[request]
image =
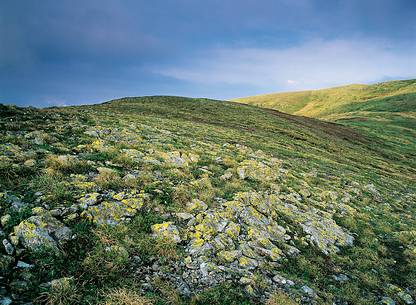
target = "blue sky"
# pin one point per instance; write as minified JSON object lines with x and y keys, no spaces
{"x":73,"y":52}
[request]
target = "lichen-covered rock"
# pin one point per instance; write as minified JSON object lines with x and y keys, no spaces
{"x":228,"y":256}
{"x":258,"y":171}
{"x":248,"y":263}
{"x":118,"y":208}
{"x":251,"y":234}
{"x":88,"y":200}
{"x":326,"y":234}
{"x":308,"y":291}
{"x":42,"y":231}
{"x":167,"y":230}
{"x":184,"y":216}
{"x":341,"y":278}
{"x":196,"y":205}
{"x":38,"y":137}
{"x":178,"y":159}
{"x":406,"y":298}
{"x":227,"y":175}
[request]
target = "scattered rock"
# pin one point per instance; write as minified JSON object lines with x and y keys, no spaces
{"x":282,"y":281}
{"x":405,"y":297}
{"x":30,"y":163}
{"x":184,"y":216}
{"x":119,"y":208}
{"x":341,"y":278}
{"x":23,"y":265}
{"x":308,"y":291}
{"x":42,"y":231}
{"x":227,"y":175}
{"x":196,"y":205}
{"x":167,"y":230}
{"x":5,"y":301}
{"x":8,"y":247}
{"x":326,"y":234}
{"x":387,"y":301}
{"x":245,"y":281}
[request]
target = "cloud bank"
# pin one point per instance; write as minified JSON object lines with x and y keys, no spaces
{"x":313,"y":64}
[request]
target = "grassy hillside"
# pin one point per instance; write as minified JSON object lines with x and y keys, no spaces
{"x":170,"y":200}
{"x":394,"y":96}
{"x":386,"y":110}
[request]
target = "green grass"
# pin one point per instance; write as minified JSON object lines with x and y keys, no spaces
{"x":390,"y":96}
{"x":319,"y":156}
{"x":386,"y":111}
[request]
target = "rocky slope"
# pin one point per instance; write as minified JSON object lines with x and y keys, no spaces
{"x":169,"y":200}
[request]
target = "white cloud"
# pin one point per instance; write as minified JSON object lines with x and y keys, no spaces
{"x":314,"y":64}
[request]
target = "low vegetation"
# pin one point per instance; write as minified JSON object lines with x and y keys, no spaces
{"x":170,"y":200}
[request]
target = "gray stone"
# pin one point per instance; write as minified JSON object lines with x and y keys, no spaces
{"x":184,"y":216}
{"x":341,"y":278}
{"x":309,"y":291}
{"x":326,"y":234}
{"x":42,"y":231}
{"x":5,"y":301}
{"x":23,"y":265}
{"x":166,"y":230}
{"x":183,"y":288}
{"x":245,"y":280}
{"x":387,"y":301}
{"x":279,"y":279}
{"x":8,"y":247}
{"x":405,"y":297}
{"x":203,"y":267}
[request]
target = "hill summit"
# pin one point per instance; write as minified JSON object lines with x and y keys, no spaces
{"x":172,"y":200}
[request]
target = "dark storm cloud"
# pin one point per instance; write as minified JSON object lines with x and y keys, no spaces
{"x":86,"y":51}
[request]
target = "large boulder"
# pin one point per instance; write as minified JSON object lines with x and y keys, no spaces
{"x":120,"y":207}
{"x":42,"y":231}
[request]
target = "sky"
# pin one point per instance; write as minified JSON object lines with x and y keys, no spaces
{"x":72,"y":52}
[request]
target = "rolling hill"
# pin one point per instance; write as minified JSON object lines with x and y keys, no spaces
{"x":394,"y":96}
{"x":386,"y":110}
{"x":172,"y":200}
